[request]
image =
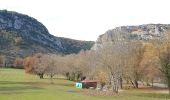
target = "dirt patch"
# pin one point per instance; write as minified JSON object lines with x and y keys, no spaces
{"x":146,"y":89}
{"x":98,"y":93}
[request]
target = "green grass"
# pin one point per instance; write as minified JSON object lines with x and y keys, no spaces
{"x":16,"y":85}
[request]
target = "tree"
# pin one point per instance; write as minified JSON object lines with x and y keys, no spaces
{"x":91,"y":64}
{"x":134,"y":69}
{"x":70,"y":69}
{"x":164,"y":56}
{"x":50,"y":61}
{"x":18,"y":63}
{"x":35,"y":65}
{"x":150,"y":64}
{"x":85,"y":64}
{"x":28,"y":64}
{"x":79,"y":66}
{"x":18,"y":40}
{"x":2,"y":61}
{"x":54,"y":65}
{"x":102,"y":78}
{"x":40,"y":66}
{"x":111,"y":58}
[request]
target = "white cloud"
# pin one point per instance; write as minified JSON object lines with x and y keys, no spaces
{"x":87,"y":19}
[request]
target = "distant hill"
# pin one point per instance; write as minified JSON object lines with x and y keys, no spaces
{"x":21,"y":36}
{"x":143,"y":33}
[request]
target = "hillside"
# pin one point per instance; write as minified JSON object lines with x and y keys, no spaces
{"x":21,"y":35}
{"x":143,"y":33}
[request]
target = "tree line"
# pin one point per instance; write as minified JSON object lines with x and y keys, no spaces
{"x":114,"y":65}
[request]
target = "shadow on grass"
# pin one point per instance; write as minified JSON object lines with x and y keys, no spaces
{"x":15,"y":88}
{"x":10,"y":82}
{"x":64,"y":84}
{"x":8,"y":87}
{"x":154,"y":95}
{"x":5,"y":85}
{"x":23,"y":83}
{"x":57,"y":78}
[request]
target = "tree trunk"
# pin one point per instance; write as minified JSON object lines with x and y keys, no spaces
{"x":102,"y":85}
{"x":132,"y":83}
{"x":168,"y":81}
{"x":121,"y":83}
{"x":115,"y":89}
{"x":73,"y":76}
{"x":152,"y":83}
{"x":51,"y":76}
{"x":115,"y":85}
{"x":41,"y":76}
{"x":136,"y":84}
{"x":67,"y":75}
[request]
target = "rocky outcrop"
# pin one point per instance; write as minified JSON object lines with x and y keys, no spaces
{"x":142,"y":32}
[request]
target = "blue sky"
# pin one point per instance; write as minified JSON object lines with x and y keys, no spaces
{"x":87,"y":19}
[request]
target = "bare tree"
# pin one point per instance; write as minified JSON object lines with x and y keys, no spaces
{"x":102,"y":77}
{"x":39,"y":66}
{"x":70,"y":67}
{"x":91,"y":65}
{"x":79,"y":66}
{"x":111,"y":57}
{"x":150,"y":64}
{"x":28,"y":64}
{"x":35,"y":65}
{"x":18,"y":63}
{"x":2,"y":61}
{"x":134,"y":69}
{"x":164,"y":56}
{"x":54,"y":65}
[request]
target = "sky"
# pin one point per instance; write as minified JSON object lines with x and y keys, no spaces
{"x":87,"y":19}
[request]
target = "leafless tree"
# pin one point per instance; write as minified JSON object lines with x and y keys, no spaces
{"x":111,"y":57}
{"x":18,"y":63}
{"x":39,"y":65}
{"x":2,"y":61}
{"x":134,"y":69}
{"x":164,"y":56}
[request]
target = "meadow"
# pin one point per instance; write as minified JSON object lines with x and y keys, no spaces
{"x":15,"y":84}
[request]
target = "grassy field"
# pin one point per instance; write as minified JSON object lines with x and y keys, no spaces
{"x":16,"y":85}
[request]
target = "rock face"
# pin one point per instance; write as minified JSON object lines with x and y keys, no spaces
{"x":142,"y":32}
{"x":21,"y":35}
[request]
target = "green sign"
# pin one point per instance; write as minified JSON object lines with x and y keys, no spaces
{"x":79,"y":85}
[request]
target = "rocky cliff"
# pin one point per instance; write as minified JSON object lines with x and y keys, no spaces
{"x":141,"y":32}
{"x":21,"y":35}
